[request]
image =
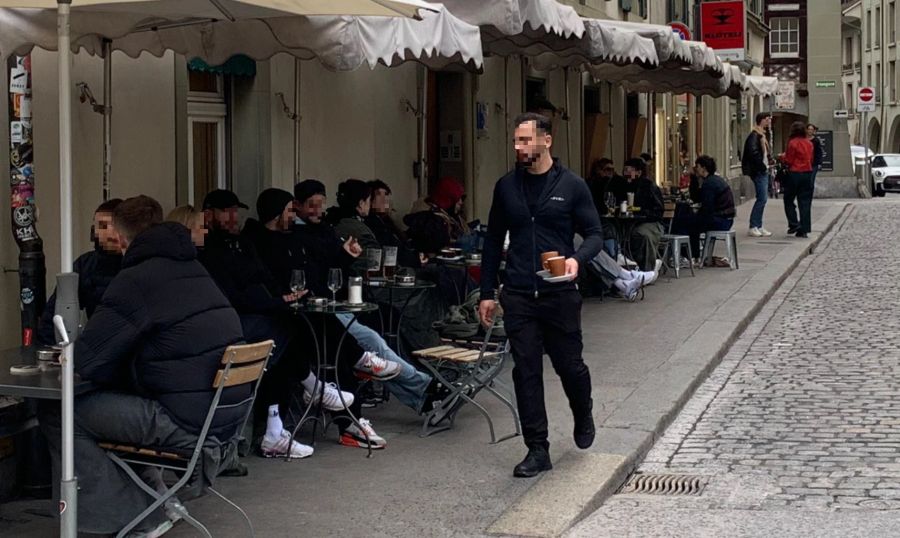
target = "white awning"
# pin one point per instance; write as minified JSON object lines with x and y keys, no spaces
{"x":339,"y":43}
{"x":519,"y":26}
{"x":730,"y":81}
{"x":760,"y":85}
{"x":601,"y":44}
{"x":670,"y":48}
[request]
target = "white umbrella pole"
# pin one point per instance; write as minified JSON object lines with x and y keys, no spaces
{"x":68,"y":520}
{"x":107,"y":118}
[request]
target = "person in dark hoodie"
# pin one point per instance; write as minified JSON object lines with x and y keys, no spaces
{"x":645,"y":237}
{"x":152,"y":347}
{"x":542,"y":205}
{"x":348,"y":218}
{"x":95,"y":269}
{"x":383,"y":226}
{"x":716,"y":201}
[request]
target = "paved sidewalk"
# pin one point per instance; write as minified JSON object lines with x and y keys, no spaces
{"x":646,"y":358}
{"x":797,"y":431}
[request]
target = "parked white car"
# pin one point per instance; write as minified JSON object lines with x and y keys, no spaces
{"x":886,"y":173}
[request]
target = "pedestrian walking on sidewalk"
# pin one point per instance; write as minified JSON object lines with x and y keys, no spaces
{"x":755,"y":162}
{"x":541,"y":204}
{"x":818,"y":151}
{"x":798,"y":156}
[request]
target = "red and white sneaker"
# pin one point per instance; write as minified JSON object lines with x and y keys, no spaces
{"x":353,"y":436}
{"x":371,"y":366}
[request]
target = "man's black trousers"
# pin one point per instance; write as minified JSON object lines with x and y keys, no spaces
{"x":550,"y":322}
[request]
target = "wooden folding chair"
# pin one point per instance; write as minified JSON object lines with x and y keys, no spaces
{"x":473,"y":368}
{"x":241,"y":365}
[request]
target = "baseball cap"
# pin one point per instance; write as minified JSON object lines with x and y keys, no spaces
{"x":222,"y":199}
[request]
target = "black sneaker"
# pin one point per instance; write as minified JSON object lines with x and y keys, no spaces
{"x":802,"y":235}
{"x":584,"y":431}
{"x":536,"y":462}
{"x":792,"y":230}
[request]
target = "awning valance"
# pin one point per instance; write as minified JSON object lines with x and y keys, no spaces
{"x":340,"y":43}
{"x":760,"y":85}
{"x":600,"y":44}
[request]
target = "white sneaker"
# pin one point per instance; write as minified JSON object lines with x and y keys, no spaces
{"x":332,"y":400}
{"x":755,"y":232}
{"x":765,"y":233}
{"x":658,"y":266}
{"x":278,"y":447}
{"x":650,"y":277}
{"x":371,"y":366}
{"x":354,"y":436}
{"x":632,"y":288}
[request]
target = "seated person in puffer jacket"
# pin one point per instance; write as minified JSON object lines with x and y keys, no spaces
{"x":152,"y":347}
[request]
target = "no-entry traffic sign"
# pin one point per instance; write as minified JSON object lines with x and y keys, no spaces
{"x":865,"y":99}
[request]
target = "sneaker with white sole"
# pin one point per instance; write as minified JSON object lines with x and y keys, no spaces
{"x":371,"y":366}
{"x":765,"y":233}
{"x":354,"y":436}
{"x":278,"y":447}
{"x":155,"y":532}
{"x":332,"y":399}
{"x":755,"y":232}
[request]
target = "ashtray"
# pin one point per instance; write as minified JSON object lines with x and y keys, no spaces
{"x":318,"y":301}
{"x":405,"y":280}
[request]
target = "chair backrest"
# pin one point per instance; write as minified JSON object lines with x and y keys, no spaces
{"x":243,"y":363}
{"x":668,"y":215}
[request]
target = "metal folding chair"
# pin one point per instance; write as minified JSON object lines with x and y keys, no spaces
{"x":466,"y":369}
{"x":241,"y":365}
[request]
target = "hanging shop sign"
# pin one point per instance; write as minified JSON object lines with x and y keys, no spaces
{"x":723,"y":27}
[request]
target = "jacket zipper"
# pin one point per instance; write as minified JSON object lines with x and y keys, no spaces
{"x":533,"y":251}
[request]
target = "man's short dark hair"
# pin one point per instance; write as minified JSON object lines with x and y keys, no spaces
{"x":351,"y":192}
{"x":707,"y":162}
{"x":638,"y":164}
{"x":760,"y":116}
{"x":377,"y":184}
{"x":542,"y":122}
{"x":134,"y":215}
{"x":308,"y":188}
{"x":108,"y":206}
{"x":646,"y":157}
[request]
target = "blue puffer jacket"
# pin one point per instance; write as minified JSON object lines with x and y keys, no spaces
{"x":564,"y":208}
{"x":161,"y":330}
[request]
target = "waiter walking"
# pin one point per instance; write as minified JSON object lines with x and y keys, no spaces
{"x":541,"y":204}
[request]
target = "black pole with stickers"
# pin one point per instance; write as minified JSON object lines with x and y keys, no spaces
{"x":23,"y":212}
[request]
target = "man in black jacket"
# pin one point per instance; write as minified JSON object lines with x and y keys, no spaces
{"x":716,"y":200}
{"x":645,"y":236}
{"x":153,"y":346}
{"x":541,"y":204}
{"x":755,"y":162}
{"x":95,"y":269}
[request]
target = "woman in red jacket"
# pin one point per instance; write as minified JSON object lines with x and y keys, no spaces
{"x":798,"y":157}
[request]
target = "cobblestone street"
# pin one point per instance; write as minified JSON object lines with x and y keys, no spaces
{"x":803,"y":413}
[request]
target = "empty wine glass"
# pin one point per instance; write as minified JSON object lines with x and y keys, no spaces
{"x":611,"y":201}
{"x":298,"y":280}
{"x":335,"y":282}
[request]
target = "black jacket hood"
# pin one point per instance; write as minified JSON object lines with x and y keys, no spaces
{"x":167,"y":240}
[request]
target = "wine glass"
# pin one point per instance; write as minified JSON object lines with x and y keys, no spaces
{"x":611,"y":201}
{"x":335,"y":282}
{"x":298,"y":281}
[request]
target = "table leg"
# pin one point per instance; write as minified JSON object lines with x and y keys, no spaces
{"x":319,"y":388}
{"x":337,"y":382}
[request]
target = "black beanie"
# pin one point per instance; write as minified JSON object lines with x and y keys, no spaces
{"x":351,"y":192}
{"x":306,"y":189}
{"x":271,"y":203}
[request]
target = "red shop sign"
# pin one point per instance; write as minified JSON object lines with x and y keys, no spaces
{"x":723,"y":26}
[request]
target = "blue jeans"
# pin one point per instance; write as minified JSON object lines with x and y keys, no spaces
{"x":409,"y":387}
{"x":761,"y":182}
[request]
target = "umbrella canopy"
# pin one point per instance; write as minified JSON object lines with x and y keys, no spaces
{"x":234,"y":9}
{"x":340,"y":43}
{"x":519,"y":26}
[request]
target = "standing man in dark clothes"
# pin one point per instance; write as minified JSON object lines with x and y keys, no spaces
{"x":645,"y":237}
{"x":153,"y":347}
{"x":95,"y":269}
{"x":818,"y":151}
{"x":541,"y":204}
{"x":755,"y":161}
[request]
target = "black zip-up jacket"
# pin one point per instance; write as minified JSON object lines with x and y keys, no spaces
{"x":753,"y":162}
{"x":161,"y":330}
{"x":565,"y":206}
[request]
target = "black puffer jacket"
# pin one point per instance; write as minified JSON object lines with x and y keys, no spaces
{"x":753,"y":161}
{"x":161,"y":329}
{"x":96,"y":269}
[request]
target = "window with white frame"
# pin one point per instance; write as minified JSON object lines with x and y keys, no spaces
{"x":207,"y":112}
{"x":784,"y":38}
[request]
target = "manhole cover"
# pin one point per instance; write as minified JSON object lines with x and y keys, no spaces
{"x":775,"y":242}
{"x":665,"y":484}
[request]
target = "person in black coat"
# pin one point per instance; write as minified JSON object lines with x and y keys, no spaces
{"x":541,"y":204}
{"x":95,"y":269}
{"x":382,"y":225}
{"x":818,"y":150}
{"x":716,"y":201}
{"x":645,"y":237}
{"x":152,"y":347}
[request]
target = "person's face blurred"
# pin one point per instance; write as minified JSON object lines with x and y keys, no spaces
{"x":530,"y":143}
{"x":198,"y":232}
{"x":631,"y":173}
{"x":701,"y":171}
{"x":287,"y":217}
{"x":105,"y":233}
{"x":364,"y":206}
{"x":458,"y":207}
{"x":224,"y":219}
{"x":381,"y":201}
{"x":311,"y":209}
{"x":608,"y":170}
{"x":766,"y":122}
{"x":811,"y":131}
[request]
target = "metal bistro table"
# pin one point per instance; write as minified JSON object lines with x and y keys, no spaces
{"x":326,"y":363}
{"x":623,"y":227}
{"x":462,"y":262}
{"x":43,"y":385}
{"x":392,"y":334}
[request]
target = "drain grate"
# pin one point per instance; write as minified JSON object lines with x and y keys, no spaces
{"x":665,"y":484}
